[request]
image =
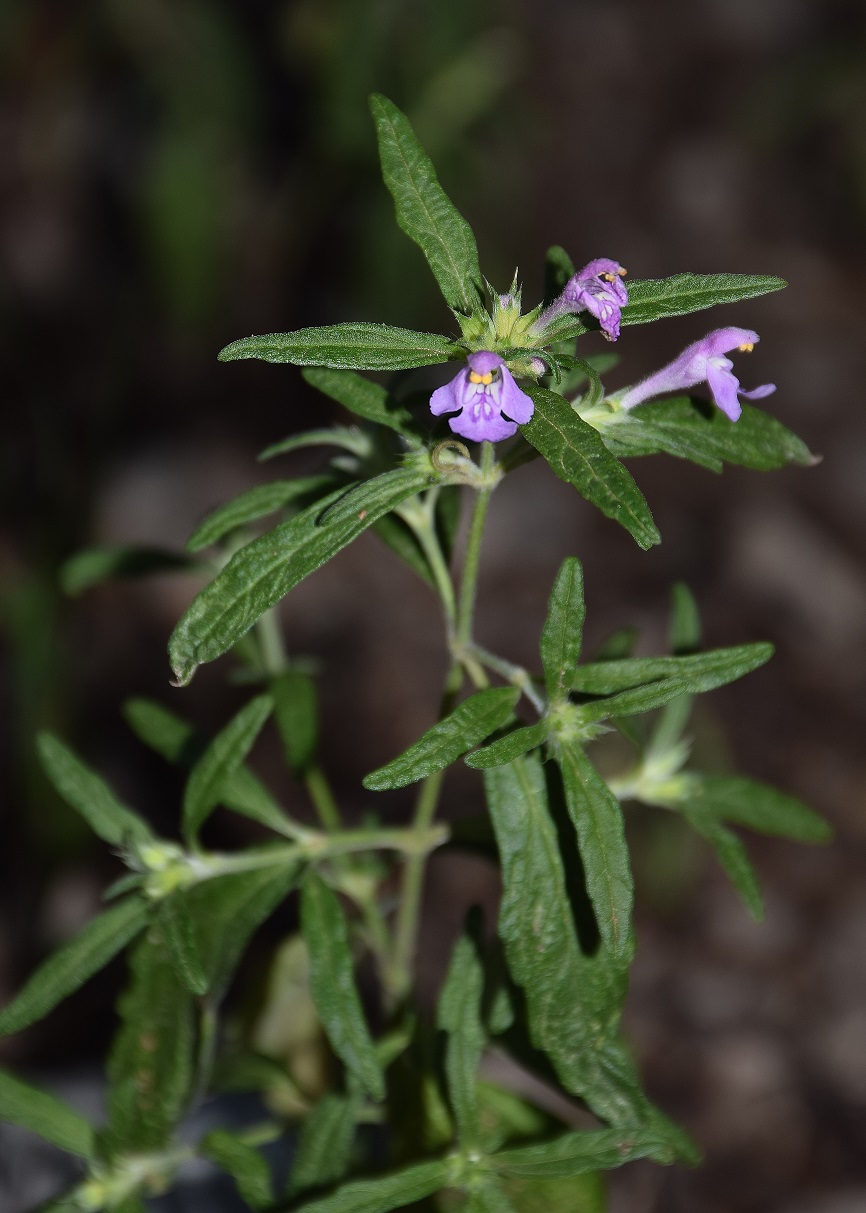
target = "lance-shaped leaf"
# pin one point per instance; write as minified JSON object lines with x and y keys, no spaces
{"x":332,"y":982}
{"x":150,"y":1066}
{"x":598,"y":820}
{"x":89,"y":568}
{"x":700,"y":671}
{"x":255,"y":503}
{"x":363,"y":398}
{"x":732,"y":856}
{"x":491,"y":1199}
{"x":220,"y":761}
{"x":424,"y":211}
{"x":70,"y":966}
{"x":46,"y":1115}
{"x":509,"y":747}
{"x":459,"y":1014}
{"x":90,"y":795}
{"x":264,"y":571}
{"x":635,"y":700}
{"x":325,"y":1143}
{"x":473,"y":720}
{"x":563,"y":629}
{"x":246,"y":1165}
{"x":344,"y":437}
{"x":385,"y":1192}
{"x":654,"y":298}
{"x":296,"y":710}
{"x":354,"y":347}
{"x":577,"y":454}
{"x":577,"y":1153}
{"x":756,"y":805}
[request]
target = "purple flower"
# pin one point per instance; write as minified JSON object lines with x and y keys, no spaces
{"x":489,"y":403}
{"x":598,"y":289}
{"x":704,"y":362}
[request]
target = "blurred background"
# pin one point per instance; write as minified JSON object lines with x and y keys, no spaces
{"x":176,"y":175}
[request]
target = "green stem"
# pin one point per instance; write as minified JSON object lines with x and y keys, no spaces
{"x":422,"y":519}
{"x":517,"y":675}
{"x":319,"y":791}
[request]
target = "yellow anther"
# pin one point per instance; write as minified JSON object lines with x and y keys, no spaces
{"x":474,"y":377}
{"x":488,"y":378}
{"x":747,"y":347}
{"x":622,"y":273}
{"x":609,"y":277}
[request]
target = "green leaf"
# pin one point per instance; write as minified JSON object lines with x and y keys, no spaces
{"x":177,"y":741}
{"x":425,"y":212}
{"x":459,"y":1014}
{"x":385,"y":1192}
{"x":577,"y":454}
{"x":363,"y":398}
{"x":220,"y":761}
{"x":246,"y":1166}
{"x":488,"y":1199}
{"x":257,"y":503}
{"x":46,"y":1115}
{"x":598,"y":820}
{"x":473,"y":720}
{"x":558,"y":268}
{"x":332,"y":982}
{"x":654,"y":298}
{"x":509,"y":747}
{"x":685,"y":634}
{"x":581,"y":1194}
{"x":346,"y":438}
{"x":402,"y":540}
{"x":732,"y":856}
{"x":150,"y":1066}
{"x":700,"y":671}
{"x":264,"y":571}
{"x":70,"y":966}
{"x":177,"y":929}
{"x":758,"y":806}
{"x":325,"y":1143}
{"x":635,"y":700}
{"x":563,"y":629}
{"x":90,"y":795}
{"x":354,"y":347}
{"x":89,"y":568}
{"x":577,"y":1153}
{"x":296,"y":711}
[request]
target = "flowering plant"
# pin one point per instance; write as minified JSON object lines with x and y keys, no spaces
{"x":549,"y":991}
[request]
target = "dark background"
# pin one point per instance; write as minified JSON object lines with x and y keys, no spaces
{"x":178,"y":174}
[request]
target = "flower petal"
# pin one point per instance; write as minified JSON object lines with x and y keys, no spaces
{"x":514,"y":402}
{"x":758,"y":393}
{"x":723,"y":385}
{"x":480,"y":425}
{"x":449,"y":398}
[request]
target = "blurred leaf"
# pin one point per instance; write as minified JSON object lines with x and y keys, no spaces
{"x":577,"y":454}
{"x":459,"y":1014}
{"x":558,"y":268}
{"x":90,"y":795}
{"x":257,"y":503}
{"x":385,"y":1192}
{"x":150,"y":1066}
{"x":296,"y":711}
{"x":220,"y":761}
{"x":359,"y":346}
{"x":473,"y":720}
{"x":325,"y":1143}
{"x":332,"y":981}
{"x":563,"y":629}
{"x":424,"y":211}
{"x":71,"y":965}
{"x":577,"y":1194}
{"x":89,"y":568}
{"x":732,"y":856}
{"x":489,"y":1198}
{"x":598,"y":820}
{"x":362,"y":397}
{"x":685,"y":621}
{"x":345,"y":437}
{"x":577,"y":1153}
{"x":178,"y":931}
{"x":246,"y":1166}
{"x":509,"y":747}
{"x":264,"y":571}
{"x":401,"y":539}
{"x":700,"y":671}
{"x":46,"y":1115}
{"x":757,"y":806}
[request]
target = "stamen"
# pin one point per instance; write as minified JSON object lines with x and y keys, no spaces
{"x":622,"y":273}
{"x":608,"y":277}
{"x":474,"y":377}
{"x":747,"y":347}
{"x":488,"y":378}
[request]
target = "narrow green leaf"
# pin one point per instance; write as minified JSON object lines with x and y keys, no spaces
{"x":385,"y":1192}
{"x":296,"y":710}
{"x":635,"y":700}
{"x":89,"y":568}
{"x":581,"y":1194}
{"x":701,"y":671}
{"x":332,"y":982}
{"x":363,"y":398}
{"x":403,"y":541}
{"x":344,"y":437}
{"x":353,"y":347}
{"x":685,"y":638}
{"x":325,"y":1144}
{"x":577,"y":1153}
{"x":89,"y":794}
{"x":177,"y":929}
{"x":70,"y":966}
{"x":177,"y":741}
{"x":654,"y":298}
{"x":46,"y":1115}
{"x":489,"y":1199}
{"x":598,"y":820}
{"x":509,"y":747}
{"x":558,"y":268}
{"x":563,"y":629}
{"x":220,"y":761}
{"x":577,"y":454}
{"x":255,"y":503}
{"x":732,"y":856}
{"x":264,"y":571}
{"x":473,"y":720}
{"x":150,"y":1066}
{"x":425,"y":212}
{"x":246,"y":1166}
{"x":758,"y":806}
{"x":459,"y":1014}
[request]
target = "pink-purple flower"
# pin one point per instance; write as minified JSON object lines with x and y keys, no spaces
{"x":704,"y":362}
{"x":488,"y":403}
{"x":598,"y":289}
